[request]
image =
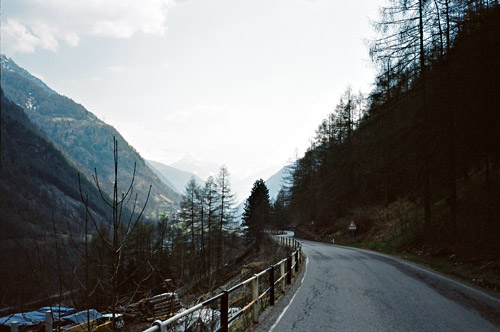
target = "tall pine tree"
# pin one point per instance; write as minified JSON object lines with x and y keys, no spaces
{"x":257,"y":214}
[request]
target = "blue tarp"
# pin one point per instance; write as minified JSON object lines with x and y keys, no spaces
{"x":67,"y":316}
{"x":58,"y":311}
{"x":80,"y":317}
{"x":25,"y":319}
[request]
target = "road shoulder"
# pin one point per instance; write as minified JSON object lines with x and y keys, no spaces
{"x":270,"y":316}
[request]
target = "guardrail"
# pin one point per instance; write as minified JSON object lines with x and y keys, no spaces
{"x":288,"y":267}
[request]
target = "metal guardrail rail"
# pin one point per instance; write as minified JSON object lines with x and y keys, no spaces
{"x":288,"y":267}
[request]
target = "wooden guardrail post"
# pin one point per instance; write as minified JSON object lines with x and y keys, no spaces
{"x":224,"y":308}
{"x":271,"y":285}
{"x":289,"y":270}
{"x":282,"y":275}
{"x":48,"y":321}
{"x":294,"y":264}
{"x":255,"y":296}
{"x":296,"y":261}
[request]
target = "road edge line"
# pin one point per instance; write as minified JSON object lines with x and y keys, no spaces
{"x":293,"y":297}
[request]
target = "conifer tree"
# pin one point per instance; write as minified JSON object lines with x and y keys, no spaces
{"x":257,"y":214}
{"x":189,"y":206}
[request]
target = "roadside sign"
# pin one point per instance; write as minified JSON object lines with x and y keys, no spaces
{"x":352,"y":226}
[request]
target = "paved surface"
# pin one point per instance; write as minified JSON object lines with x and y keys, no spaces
{"x":347,"y":289}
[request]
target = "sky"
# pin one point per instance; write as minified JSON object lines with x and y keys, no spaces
{"x":243,"y":83}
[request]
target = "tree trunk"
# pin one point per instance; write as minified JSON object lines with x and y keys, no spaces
{"x":425,"y":145}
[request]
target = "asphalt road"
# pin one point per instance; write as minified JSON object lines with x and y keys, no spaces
{"x":346,"y":289}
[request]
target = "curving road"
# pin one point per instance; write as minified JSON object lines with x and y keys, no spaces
{"x":346,"y":289}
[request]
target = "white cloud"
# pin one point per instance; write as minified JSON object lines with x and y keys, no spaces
{"x":45,"y":35}
{"x":116,"y":69}
{"x":71,"y":38}
{"x":21,"y":38}
{"x":178,"y":118}
{"x":45,"y":24}
{"x":17,"y":38}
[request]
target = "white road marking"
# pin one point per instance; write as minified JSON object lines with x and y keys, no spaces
{"x":301,"y":283}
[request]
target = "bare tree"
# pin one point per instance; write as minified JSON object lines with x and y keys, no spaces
{"x":406,"y":33}
{"x":210,"y":198}
{"x":189,"y":209}
{"x":120,"y":226}
{"x":226,"y":203}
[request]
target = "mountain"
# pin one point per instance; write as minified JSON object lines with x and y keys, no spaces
{"x":11,"y":66}
{"x":201,"y":168}
{"x":243,"y":186}
{"x":84,"y":140}
{"x":275,"y":183}
{"x":161,"y":176}
{"x":39,"y":196}
{"x":172,"y":176}
{"x":37,"y":183}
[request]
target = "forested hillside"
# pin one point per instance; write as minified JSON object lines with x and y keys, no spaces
{"x":420,"y":156}
{"x":40,"y":198}
{"x":84,"y":139}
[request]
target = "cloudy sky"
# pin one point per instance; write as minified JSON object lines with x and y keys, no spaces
{"x":239,"y":82}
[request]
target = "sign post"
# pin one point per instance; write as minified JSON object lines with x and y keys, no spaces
{"x":352,"y":228}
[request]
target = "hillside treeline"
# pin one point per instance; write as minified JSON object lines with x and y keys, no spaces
{"x":426,"y":141}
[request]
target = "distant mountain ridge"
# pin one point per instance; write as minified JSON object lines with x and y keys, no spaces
{"x":175,"y":178}
{"x":274,"y":183}
{"x":84,"y":139}
{"x":11,"y":66}
{"x":201,"y":168}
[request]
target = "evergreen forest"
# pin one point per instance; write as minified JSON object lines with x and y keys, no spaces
{"x":420,"y":155}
